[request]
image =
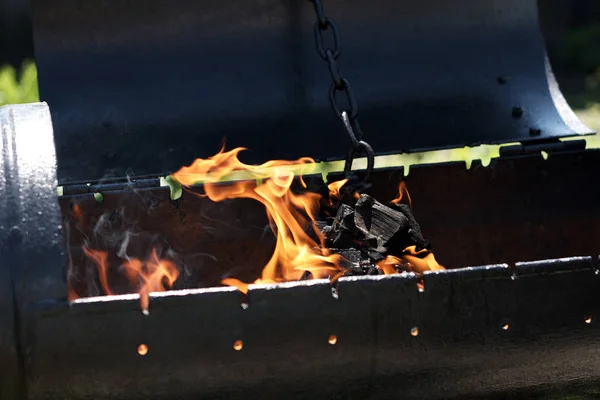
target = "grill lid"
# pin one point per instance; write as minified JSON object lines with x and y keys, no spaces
{"x":144,"y":87}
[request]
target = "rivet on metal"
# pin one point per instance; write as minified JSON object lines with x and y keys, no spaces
{"x":517,"y":112}
{"x":535,"y":132}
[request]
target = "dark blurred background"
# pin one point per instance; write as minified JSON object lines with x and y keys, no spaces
{"x":572,"y":32}
{"x":15,"y":32}
{"x":571,"y":28}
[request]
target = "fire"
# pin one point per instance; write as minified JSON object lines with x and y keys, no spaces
{"x":151,"y":275}
{"x":422,"y":260}
{"x":388,"y":265}
{"x":72,"y":295}
{"x":100,"y":258}
{"x":402,"y":191}
{"x":290,"y":214}
{"x":77,"y":214}
{"x":411,"y":259}
{"x":334,"y":190}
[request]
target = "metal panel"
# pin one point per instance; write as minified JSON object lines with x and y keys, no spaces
{"x":476,"y":335}
{"x":31,"y":247}
{"x":150,"y":85}
{"x":10,"y":374}
{"x":29,"y":209}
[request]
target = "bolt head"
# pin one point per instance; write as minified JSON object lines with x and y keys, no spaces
{"x":517,"y":112}
{"x":535,"y":132}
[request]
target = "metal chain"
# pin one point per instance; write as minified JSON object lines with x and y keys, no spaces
{"x":348,"y":116}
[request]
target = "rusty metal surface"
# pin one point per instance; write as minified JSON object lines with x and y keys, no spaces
{"x":461,"y":347}
{"x":158,"y":83}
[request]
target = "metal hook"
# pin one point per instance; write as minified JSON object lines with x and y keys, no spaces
{"x":349,"y":129}
{"x":362,"y":147}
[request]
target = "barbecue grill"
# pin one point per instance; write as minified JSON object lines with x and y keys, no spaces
{"x":134,"y":90}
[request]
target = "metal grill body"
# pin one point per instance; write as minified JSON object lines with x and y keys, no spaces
{"x":499,"y":323}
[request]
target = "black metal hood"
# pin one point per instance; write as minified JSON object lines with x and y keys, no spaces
{"x":143,"y":87}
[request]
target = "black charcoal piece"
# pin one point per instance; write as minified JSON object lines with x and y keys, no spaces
{"x":373,"y":270}
{"x":345,"y":218}
{"x":375,"y":255}
{"x":379,"y":222}
{"x":323,"y":227}
{"x":414,"y":234}
{"x":342,"y":239}
{"x":352,"y":255}
{"x":368,"y":231}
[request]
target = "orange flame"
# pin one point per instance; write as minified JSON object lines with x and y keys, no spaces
{"x":100,"y":258}
{"x":422,"y":260}
{"x":402,"y":191}
{"x":290,"y":214}
{"x":153,"y":275}
{"x":388,"y":265}
{"x":414,"y":261}
{"x":77,"y":214}
{"x":334,"y":190}
{"x":72,"y":295}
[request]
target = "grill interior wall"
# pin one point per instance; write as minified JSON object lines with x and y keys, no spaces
{"x":519,"y":209}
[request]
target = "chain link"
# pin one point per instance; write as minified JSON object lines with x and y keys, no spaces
{"x":348,"y":116}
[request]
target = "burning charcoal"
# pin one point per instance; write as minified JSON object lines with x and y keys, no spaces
{"x":377,"y":221}
{"x":342,"y":233}
{"x":375,"y":255}
{"x":323,"y":226}
{"x":351,"y":255}
{"x":373,"y":270}
{"x":358,"y":269}
{"x":414,"y":232}
{"x":343,"y":239}
{"x":345,"y":218}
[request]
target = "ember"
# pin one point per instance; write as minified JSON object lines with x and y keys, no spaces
{"x":238,"y":345}
{"x":142,"y":349}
